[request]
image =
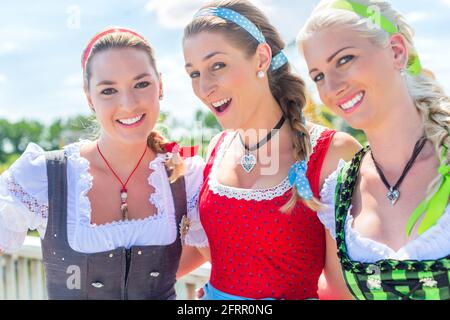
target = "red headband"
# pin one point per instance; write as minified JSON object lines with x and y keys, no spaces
{"x":88,"y":50}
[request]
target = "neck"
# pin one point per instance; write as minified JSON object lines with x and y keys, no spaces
{"x":122,"y":157}
{"x":392,"y":140}
{"x":259,"y":124}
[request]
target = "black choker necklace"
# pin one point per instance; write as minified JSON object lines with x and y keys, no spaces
{"x":248,"y":160}
{"x":394,"y":193}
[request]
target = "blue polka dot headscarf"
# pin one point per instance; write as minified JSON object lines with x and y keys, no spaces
{"x":277,"y":62}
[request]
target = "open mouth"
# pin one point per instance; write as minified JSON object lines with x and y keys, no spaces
{"x":353,"y":103}
{"x":222,"y":105}
{"x":131,"y":122}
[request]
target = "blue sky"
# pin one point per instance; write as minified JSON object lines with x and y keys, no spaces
{"x":41,"y":43}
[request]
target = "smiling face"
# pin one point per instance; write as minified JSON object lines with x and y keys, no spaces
{"x":223,"y":77}
{"x":124,"y":92}
{"x":355,"y":77}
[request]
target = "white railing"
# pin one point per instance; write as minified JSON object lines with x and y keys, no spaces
{"x":22,"y":275}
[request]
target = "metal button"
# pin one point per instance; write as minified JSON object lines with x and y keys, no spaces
{"x":55,"y":235}
{"x":54,"y":253}
{"x":97,"y":285}
{"x":139,"y":252}
{"x":154,"y":274}
{"x":429,"y":283}
{"x":62,"y":259}
{"x":111,"y":255}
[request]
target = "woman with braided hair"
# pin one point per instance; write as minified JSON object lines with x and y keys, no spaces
{"x":390,"y":215}
{"x":264,"y":173}
{"x":108,"y":211}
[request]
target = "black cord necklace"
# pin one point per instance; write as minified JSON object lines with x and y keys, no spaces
{"x":394,"y":193}
{"x":248,"y":160}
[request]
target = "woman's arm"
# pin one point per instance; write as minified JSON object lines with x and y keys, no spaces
{"x":191,"y":259}
{"x":332,"y":285}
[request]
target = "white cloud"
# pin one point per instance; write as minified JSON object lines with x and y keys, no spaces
{"x":74,"y":80}
{"x":2,"y":79}
{"x":418,"y":16}
{"x":446,"y":2}
{"x":175,"y":14}
{"x":8,"y":47}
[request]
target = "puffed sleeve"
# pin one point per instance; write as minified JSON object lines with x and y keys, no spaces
{"x":23,"y":198}
{"x":196,"y":235}
{"x":327,"y":194}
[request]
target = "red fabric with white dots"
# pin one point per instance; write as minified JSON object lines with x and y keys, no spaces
{"x":258,"y":252}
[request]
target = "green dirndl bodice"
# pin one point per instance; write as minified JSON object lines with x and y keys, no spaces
{"x":386,"y":279}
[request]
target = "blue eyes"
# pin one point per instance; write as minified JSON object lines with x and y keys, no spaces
{"x":142,"y":85}
{"x":194,"y":75}
{"x":218,"y":66}
{"x":111,"y":91}
{"x":345,"y":59}
{"x":215,"y":67}
{"x":319,"y":77}
{"x":342,"y":61}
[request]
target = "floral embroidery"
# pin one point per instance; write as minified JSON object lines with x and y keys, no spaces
{"x":28,"y":201}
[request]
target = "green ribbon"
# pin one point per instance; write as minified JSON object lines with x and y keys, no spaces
{"x":435,"y":207}
{"x":414,"y":66}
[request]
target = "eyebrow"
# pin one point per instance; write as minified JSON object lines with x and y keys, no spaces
{"x":207,"y":57}
{"x":332,"y":57}
{"x":110,"y":83}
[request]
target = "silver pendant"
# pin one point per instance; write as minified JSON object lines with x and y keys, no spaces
{"x":248,"y":162}
{"x":393,"y":196}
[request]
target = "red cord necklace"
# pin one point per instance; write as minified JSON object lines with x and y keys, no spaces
{"x":123,"y":190}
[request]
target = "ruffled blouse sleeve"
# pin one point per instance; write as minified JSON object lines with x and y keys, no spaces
{"x":196,"y":235}
{"x":327,"y":194}
{"x":23,"y":198}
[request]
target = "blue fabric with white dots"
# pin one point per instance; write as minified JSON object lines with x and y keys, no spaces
{"x":297,"y":177}
{"x":277,"y":62}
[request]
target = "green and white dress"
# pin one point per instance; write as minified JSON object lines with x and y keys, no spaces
{"x":420,"y":270}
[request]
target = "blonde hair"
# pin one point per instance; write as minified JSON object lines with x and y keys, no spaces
{"x":428,"y":96}
{"x":122,"y":39}
{"x":287,"y":88}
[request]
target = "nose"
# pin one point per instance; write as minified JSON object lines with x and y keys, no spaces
{"x":129,"y":100}
{"x":207,"y":86}
{"x":336,"y":85}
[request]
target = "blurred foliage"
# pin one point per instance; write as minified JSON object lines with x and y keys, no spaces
{"x":322,"y":115}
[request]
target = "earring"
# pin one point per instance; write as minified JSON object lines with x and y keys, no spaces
{"x":402,"y":72}
{"x":261,"y":74}
{"x":161,"y":97}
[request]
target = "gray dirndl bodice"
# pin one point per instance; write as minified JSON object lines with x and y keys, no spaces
{"x":141,"y":272}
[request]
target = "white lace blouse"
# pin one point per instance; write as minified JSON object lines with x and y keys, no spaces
{"x":24,"y":205}
{"x":433,"y":244}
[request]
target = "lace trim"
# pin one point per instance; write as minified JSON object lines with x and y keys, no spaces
{"x":315,"y":134}
{"x":84,"y":185}
{"x":252,"y":194}
{"x":27,"y":200}
{"x":326,"y":215}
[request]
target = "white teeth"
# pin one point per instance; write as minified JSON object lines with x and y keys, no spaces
{"x":220,"y":103}
{"x":131,"y":120}
{"x":350,"y":104}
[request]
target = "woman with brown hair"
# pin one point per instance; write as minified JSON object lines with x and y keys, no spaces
{"x":264,"y":173}
{"x":108,"y":210}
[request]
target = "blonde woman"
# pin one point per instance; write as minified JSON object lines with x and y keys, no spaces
{"x":390,"y":216}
